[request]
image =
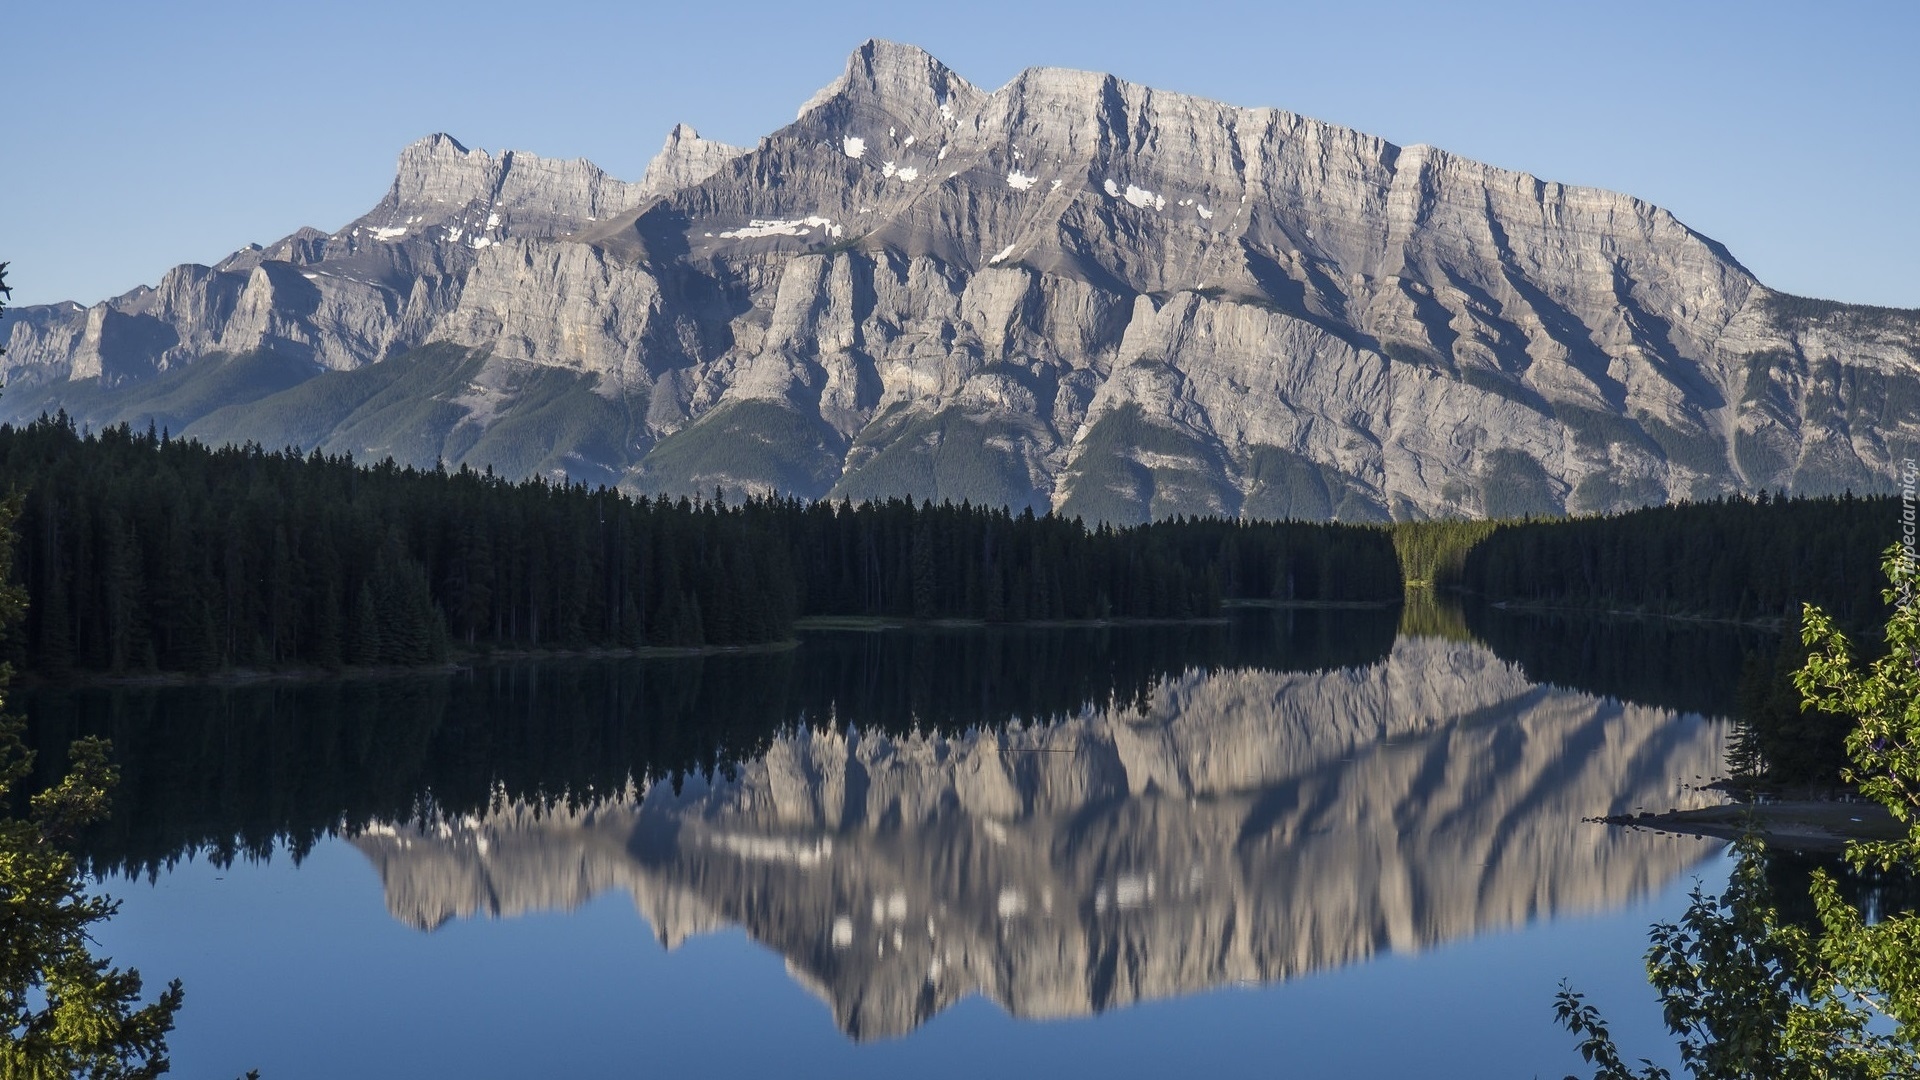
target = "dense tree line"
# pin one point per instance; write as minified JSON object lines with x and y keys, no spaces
{"x":1730,"y":558}
{"x":898,"y":560}
{"x":145,"y":553}
{"x":1432,"y":553}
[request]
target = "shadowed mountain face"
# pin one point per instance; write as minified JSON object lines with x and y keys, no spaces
{"x":1072,"y":292}
{"x":1234,"y":826}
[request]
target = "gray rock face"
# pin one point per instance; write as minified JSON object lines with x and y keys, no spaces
{"x":1081,"y":294}
{"x":1243,"y":826}
{"x":686,"y":160}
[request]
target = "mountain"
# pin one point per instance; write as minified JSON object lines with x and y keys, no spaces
{"x":1237,"y":826}
{"x":1072,"y":292}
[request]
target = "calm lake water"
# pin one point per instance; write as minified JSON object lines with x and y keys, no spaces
{"x":1298,"y":844}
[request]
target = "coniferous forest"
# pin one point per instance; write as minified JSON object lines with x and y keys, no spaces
{"x":143,"y":553}
{"x":1731,"y":558}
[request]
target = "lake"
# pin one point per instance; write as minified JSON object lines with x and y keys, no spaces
{"x":1296,"y":843}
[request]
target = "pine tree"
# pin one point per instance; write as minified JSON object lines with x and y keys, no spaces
{"x":364,"y":647}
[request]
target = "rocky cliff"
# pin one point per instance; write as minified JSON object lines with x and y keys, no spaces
{"x":1071,"y":292}
{"x":1244,"y":826}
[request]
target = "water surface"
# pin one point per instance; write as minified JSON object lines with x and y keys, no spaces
{"x":1296,"y":844}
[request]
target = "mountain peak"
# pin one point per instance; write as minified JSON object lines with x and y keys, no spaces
{"x":476,"y":198}
{"x":904,"y":81}
{"x":684,"y":160}
{"x":437,"y":168}
{"x":877,"y":56}
{"x":437,"y":143}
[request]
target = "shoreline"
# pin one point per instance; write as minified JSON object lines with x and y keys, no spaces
{"x":459,"y":661}
{"x":463,"y":659}
{"x":1806,"y":824}
{"x":1311,"y":605}
{"x":1772,"y":624}
{"x":880,"y":623}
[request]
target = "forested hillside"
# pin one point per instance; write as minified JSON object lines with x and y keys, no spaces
{"x":144,"y":553}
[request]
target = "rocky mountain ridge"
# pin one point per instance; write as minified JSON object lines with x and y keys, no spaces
{"x":1071,"y":292}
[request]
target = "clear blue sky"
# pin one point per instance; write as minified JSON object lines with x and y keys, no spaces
{"x":140,"y":135}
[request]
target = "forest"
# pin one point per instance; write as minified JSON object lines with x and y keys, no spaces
{"x":142,"y":553}
{"x":1738,"y":558}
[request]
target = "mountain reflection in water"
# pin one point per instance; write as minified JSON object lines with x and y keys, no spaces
{"x":1063,"y":820}
{"x":1218,"y":825}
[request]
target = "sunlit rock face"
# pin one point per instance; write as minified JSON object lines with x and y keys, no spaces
{"x":1071,"y":292}
{"x":1241,"y":827}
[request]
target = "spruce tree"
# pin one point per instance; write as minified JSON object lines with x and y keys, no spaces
{"x":364,"y":647}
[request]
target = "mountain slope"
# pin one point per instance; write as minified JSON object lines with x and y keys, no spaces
{"x":1075,"y":293}
{"x":443,"y":403}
